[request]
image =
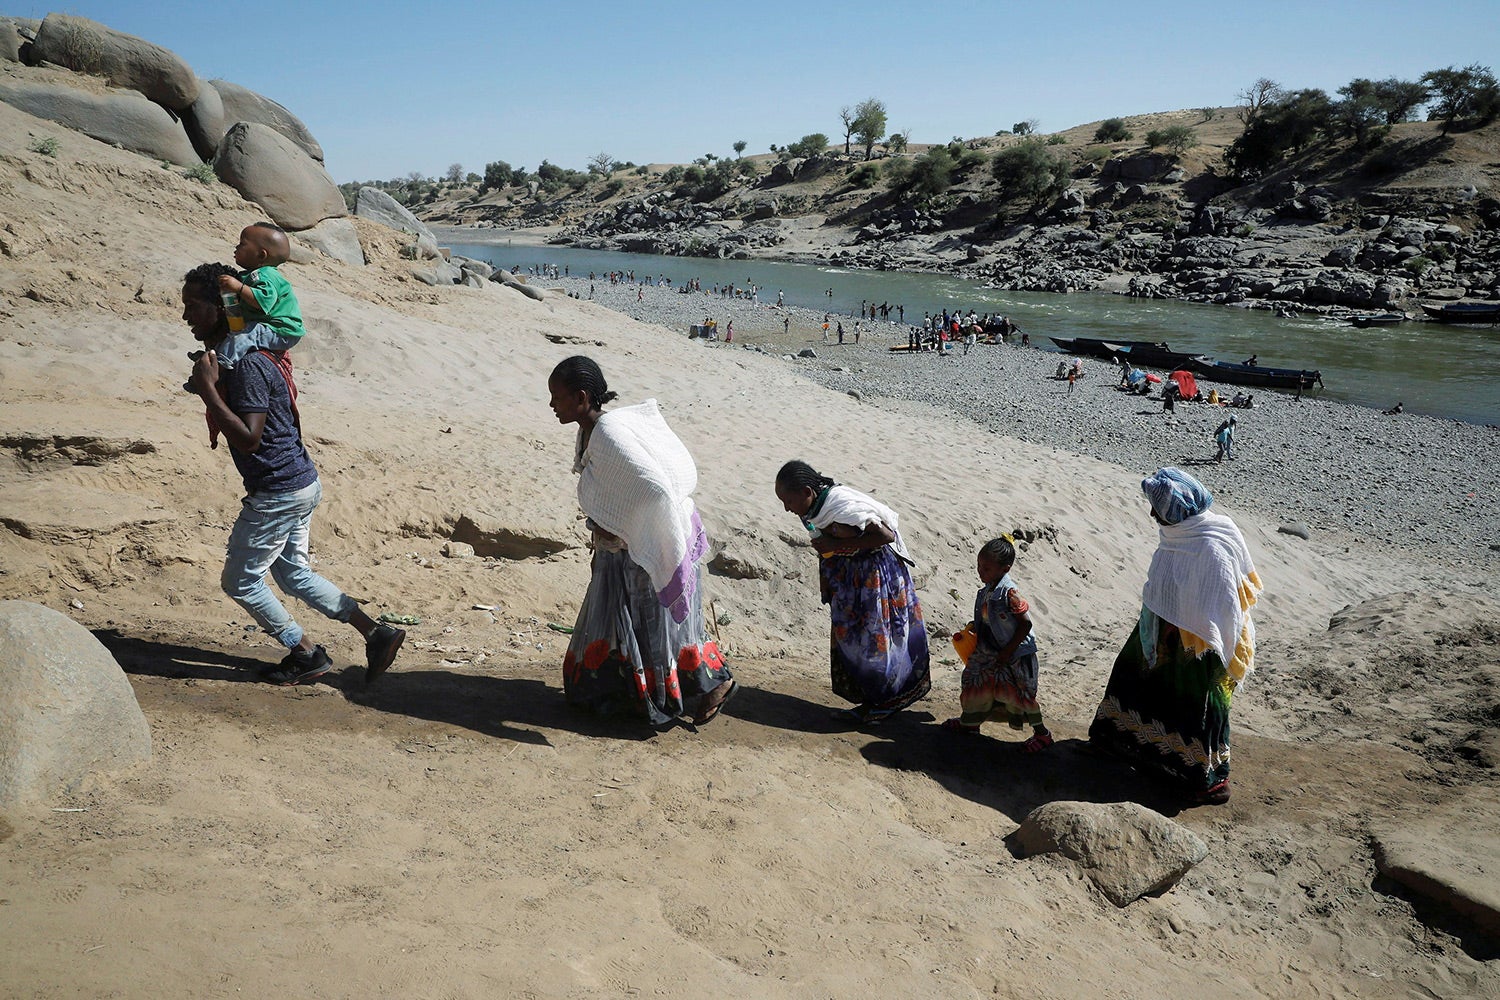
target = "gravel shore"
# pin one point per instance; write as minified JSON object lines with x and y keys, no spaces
{"x":1406,"y":480}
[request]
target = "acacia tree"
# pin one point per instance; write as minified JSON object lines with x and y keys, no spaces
{"x":1027,"y":127}
{"x":896,"y":142}
{"x":600,"y":163}
{"x":846,"y":116}
{"x":1030,"y":172}
{"x":455,"y":173}
{"x":1257,"y":97}
{"x":869,"y":123}
{"x":1471,"y":92}
{"x":739,"y":147}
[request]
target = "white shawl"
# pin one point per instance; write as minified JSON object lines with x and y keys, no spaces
{"x":636,"y":481}
{"x":1203,"y":581}
{"x":844,"y":505}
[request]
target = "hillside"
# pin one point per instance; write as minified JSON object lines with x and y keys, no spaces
{"x":1333,"y":229}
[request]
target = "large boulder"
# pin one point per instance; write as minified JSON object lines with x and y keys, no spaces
{"x":337,"y":238}
{"x":119,"y":117}
{"x":204,"y":120}
{"x":270,"y":170}
{"x":243,"y":105}
{"x":377,"y":206}
{"x":1129,"y":851}
{"x":66,"y":709}
{"x":10,"y":41}
{"x":124,"y":60}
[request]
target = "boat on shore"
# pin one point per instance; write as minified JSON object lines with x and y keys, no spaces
{"x":1140,"y":353}
{"x":1377,"y":319}
{"x":1487,"y":313}
{"x":1256,"y":375}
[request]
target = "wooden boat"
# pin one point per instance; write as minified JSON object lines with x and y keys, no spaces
{"x":1256,"y":375}
{"x":1141,"y":353}
{"x":1465,"y":312}
{"x":1378,"y":319}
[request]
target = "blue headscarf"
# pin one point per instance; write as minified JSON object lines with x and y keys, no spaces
{"x":1175,"y":495}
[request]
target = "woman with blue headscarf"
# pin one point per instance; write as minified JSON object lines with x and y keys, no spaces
{"x":1167,"y":701}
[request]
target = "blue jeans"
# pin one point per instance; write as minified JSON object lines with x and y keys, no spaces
{"x":255,"y":336}
{"x":270,"y":535}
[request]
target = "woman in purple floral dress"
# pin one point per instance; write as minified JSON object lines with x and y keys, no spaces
{"x":878,"y":655}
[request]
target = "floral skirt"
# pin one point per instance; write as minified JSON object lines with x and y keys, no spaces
{"x":879,"y":657}
{"x":629,"y":658}
{"x":1000,"y":692}
{"x":1173,"y":716}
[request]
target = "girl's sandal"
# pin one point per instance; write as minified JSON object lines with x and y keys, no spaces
{"x":957,"y":726}
{"x":1037,"y":743}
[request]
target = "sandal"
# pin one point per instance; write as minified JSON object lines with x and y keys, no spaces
{"x":958,"y":726}
{"x":714,"y":702}
{"x":1037,"y":743}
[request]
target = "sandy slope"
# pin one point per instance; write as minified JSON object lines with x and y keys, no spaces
{"x":454,"y":832}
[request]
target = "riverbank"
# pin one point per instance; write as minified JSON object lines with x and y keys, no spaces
{"x":1406,"y":480}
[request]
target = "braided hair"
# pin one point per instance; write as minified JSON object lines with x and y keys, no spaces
{"x":581,"y":372}
{"x":1000,"y":551}
{"x":797,"y":474}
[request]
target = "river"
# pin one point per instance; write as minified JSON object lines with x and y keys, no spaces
{"x":1432,"y":368}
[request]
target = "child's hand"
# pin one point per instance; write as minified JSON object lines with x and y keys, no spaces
{"x":227,"y":283}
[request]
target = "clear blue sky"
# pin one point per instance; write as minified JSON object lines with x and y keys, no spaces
{"x":389,"y":88}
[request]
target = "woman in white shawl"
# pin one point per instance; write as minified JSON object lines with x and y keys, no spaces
{"x":640,"y":646}
{"x":878,"y":657}
{"x":1167,"y":700}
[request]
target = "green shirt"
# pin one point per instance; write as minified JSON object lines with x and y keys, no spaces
{"x":278,"y":303}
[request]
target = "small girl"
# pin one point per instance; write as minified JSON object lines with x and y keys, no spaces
{"x":1000,"y":675}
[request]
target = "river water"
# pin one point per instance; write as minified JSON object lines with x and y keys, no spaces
{"x":1432,"y":368}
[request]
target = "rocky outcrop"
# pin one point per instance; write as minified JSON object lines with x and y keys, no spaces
{"x":268,"y":169}
{"x":336,"y":238}
{"x":11,"y":41}
{"x":120,"y":117}
{"x":203,"y":120}
{"x":1128,"y":851}
{"x":66,"y":709}
{"x":124,"y":60}
{"x":377,"y":206}
{"x":244,"y":105}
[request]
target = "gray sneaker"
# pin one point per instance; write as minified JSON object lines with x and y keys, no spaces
{"x":299,"y":668}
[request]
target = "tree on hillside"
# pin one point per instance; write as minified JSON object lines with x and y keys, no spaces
{"x":739,"y":147}
{"x":928,"y":176}
{"x":869,"y":123}
{"x":1257,"y":97}
{"x":496,"y":175}
{"x":1360,"y":113}
{"x":1027,"y":127}
{"x":600,"y":163}
{"x":1029,"y":172}
{"x":808,"y":145}
{"x":1175,"y":139}
{"x":1400,"y":99}
{"x":846,"y":116}
{"x":1112,"y":130}
{"x":896,"y":142}
{"x":455,"y":173}
{"x":1287,"y":126}
{"x":1462,"y":94}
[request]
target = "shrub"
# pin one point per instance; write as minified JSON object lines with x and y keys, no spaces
{"x":45,"y":144}
{"x":865,"y":175}
{"x":1417,"y":265}
{"x":673,"y":175}
{"x":203,"y":173}
{"x":808,"y":145}
{"x":1029,"y":172}
{"x":611,"y":188}
{"x":1175,"y":139}
{"x":1096,"y":154}
{"x":1112,"y":130}
{"x":1056,"y":140}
